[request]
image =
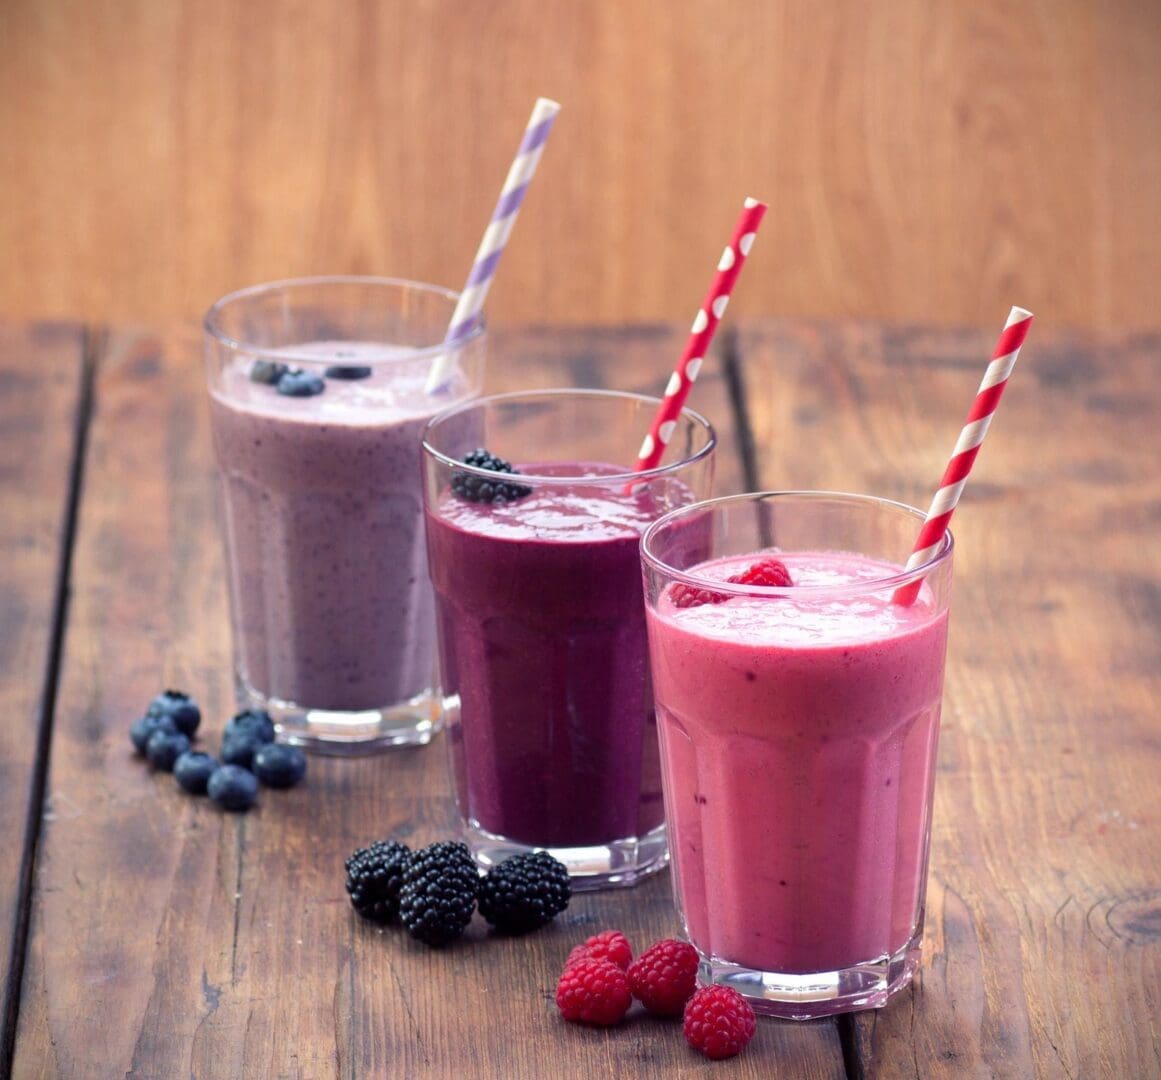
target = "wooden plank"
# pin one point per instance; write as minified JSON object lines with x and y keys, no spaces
{"x":1043,"y":943}
{"x":157,"y":159}
{"x":41,"y":416}
{"x":171,"y":939}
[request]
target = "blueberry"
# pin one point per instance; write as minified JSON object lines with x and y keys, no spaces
{"x":181,"y":707}
{"x":278,"y":765}
{"x":193,"y":769}
{"x":165,"y":747}
{"x":299,"y":383}
{"x":348,"y":371}
{"x":232,"y":787}
{"x":240,"y":748}
{"x":141,"y":730}
{"x":254,"y":722}
{"x":267,"y":371}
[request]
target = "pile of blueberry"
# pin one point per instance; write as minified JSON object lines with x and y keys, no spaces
{"x":249,"y":754}
{"x":295,"y":382}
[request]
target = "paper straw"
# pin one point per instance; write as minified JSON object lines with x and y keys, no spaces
{"x":705,"y":322}
{"x":967,"y":446}
{"x":475,"y":290}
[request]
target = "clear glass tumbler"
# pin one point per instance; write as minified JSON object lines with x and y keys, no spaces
{"x":798,"y":729}
{"x":318,"y":398}
{"x":542,"y":622}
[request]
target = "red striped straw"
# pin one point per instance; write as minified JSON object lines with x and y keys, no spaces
{"x":976,"y":426}
{"x":701,"y":334}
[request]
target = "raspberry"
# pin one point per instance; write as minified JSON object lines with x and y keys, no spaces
{"x":593,"y":992}
{"x":718,"y":1021}
{"x":683,"y":595}
{"x":768,"y":571}
{"x":609,"y":945}
{"x":664,"y":977}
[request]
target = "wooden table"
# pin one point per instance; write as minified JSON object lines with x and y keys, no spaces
{"x":147,"y":934}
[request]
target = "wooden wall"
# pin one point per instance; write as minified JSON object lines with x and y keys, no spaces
{"x":924,"y":159}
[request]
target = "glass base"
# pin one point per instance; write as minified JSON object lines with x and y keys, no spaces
{"x":618,"y":864}
{"x":349,"y":734}
{"x":825,"y":993}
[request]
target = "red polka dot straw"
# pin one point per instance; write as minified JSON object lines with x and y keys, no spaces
{"x":967,"y":446}
{"x":705,"y":323}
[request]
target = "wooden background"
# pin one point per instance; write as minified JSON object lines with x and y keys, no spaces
{"x":928,"y":160}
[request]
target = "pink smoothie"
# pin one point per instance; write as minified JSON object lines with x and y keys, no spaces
{"x":324,"y":529}
{"x":798,"y":742}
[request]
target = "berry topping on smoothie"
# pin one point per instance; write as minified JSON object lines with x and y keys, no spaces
{"x":348,"y":371}
{"x":299,"y":383}
{"x":768,"y":571}
{"x":479,"y":488}
{"x":267,"y":372}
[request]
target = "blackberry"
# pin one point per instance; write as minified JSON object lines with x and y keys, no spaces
{"x":141,"y":730}
{"x":299,"y":383}
{"x":278,"y":765}
{"x":232,"y":787}
{"x":374,"y":878}
{"x":180,"y":707}
{"x":524,"y":892}
{"x":165,"y":747}
{"x":267,"y":372}
{"x":439,"y":892}
{"x":254,"y":722}
{"x":481,"y":489}
{"x":192,"y":771}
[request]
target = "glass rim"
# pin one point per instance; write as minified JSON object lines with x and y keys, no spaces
{"x":559,"y":393}
{"x":212,"y":327}
{"x":871,"y":585}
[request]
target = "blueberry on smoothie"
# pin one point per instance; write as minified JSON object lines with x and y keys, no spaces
{"x":348,"y":371}
{"x":299,"y":383}
{"x":267,"y":372}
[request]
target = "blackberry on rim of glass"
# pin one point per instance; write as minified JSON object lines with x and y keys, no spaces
{"x":485,"y":489}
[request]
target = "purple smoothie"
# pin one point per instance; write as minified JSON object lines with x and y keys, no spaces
{"x":542,"y":638}
{"x":331,"y":601}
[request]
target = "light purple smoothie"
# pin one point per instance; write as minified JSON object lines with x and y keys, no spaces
{"x":798,"y":746}
{"x":542,"y":637}
{"x":331,"y":600}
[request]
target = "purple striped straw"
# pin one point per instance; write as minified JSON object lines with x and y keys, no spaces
{"x":471,"y":301}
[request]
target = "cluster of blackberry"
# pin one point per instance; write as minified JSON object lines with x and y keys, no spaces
{"x":433,"y":891}
{"x":484,"y":488}
{"x":249,"y":754}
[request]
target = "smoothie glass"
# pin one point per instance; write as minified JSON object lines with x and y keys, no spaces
{"x":322,"y":512}
{"x":541,"y":622}
{"x":798,"y":731}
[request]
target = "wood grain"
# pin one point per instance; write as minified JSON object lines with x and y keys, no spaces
{"x":924,"y":161}
{"x":1043,"y":945}
{"x":42,"y":402}
{"x":169,"y":939}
